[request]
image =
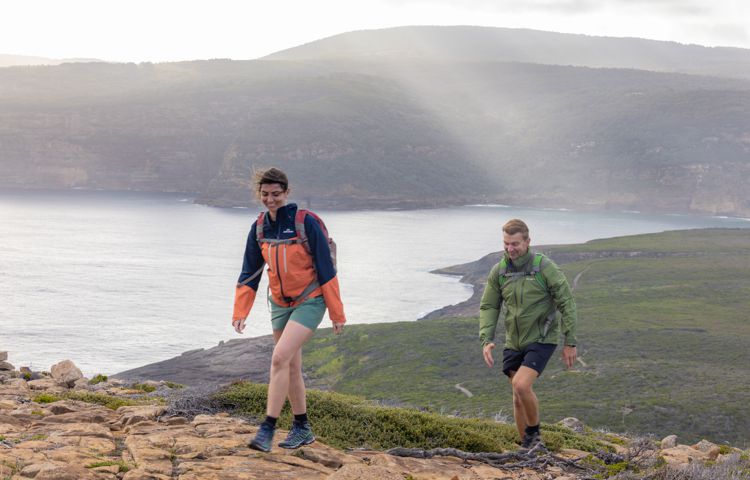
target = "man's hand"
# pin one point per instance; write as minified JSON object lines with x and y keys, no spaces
{"x":487,"y":352}
{"x":238,"y":324}
{"x":569,"y":355}
{"x":338,"y":328}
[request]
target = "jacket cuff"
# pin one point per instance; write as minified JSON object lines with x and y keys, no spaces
{"x":332,"y":297}
{"x":244,"y":297}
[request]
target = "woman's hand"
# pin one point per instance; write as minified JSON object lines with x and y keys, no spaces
{"x":338,"y":328}
{"x":239,"y":325}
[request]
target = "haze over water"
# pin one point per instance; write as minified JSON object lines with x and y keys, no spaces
{"x":118,"y":280}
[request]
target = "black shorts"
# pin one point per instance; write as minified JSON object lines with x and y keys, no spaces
{"x":534,"y":355}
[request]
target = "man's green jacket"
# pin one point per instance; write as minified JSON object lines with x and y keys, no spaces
{"x":528,"y":305}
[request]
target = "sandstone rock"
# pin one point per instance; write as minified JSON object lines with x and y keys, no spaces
{"x":8,"y":404}
{"x":326,"y":456}
{"x":36,"y":445}
{"x":436,"y":468}
{"x":91,"y":415}
{"x":66,"y":373}
{"x":682,"y":454}
{"x":247,"y":466}
{"x":6,"y":366}
{"x":141,"y":474}
{"x":3,"y":356}
{"x":80,"y":430}
{"x":365,"y":472}
{"x":113,"y":469}
{"x":176,"y":421}
{"x":44,"y":384}
{"x":57,"y":471}
{"x":669,"y":441}
{"x":134,"y":414}
{"x":573,"y":424}
{"x":25,"y":370}
{"x":709,"y":448}
{"x":72,"y":455}
{"x":58,"y":408}
{"x":82,"y":384}
{"x":14,"y":392}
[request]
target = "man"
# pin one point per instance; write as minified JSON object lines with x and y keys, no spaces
{"x":532,"y":288}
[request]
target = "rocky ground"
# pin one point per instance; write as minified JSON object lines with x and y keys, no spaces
{"x":67,"y":439}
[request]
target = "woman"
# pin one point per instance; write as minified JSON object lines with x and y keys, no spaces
{"x":303,"y":283}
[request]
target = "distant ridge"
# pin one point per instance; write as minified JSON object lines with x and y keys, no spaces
{"x":483,"y":44}
{"x":28,"y":60}
{"x":373,"y":128}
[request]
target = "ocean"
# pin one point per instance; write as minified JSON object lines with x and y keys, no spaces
{"x":117,"y":280}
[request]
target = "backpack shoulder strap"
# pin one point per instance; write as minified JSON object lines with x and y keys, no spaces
{"x":502,"y":271}
{"x":299,"y":226}
{"x":259,"y":235}
{"x":536,"y":270}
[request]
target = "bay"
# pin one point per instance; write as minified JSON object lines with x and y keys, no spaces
{"x":117,"y":280}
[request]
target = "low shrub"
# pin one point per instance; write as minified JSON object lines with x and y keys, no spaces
{"x":346,"y":421}
{"x":99,"y":378}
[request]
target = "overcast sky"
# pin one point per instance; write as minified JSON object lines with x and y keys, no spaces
{"x":168,"y":30}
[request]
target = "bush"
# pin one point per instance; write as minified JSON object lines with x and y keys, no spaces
{"x":46,"y":398}
{"x":99,"y":378}
{"x":144,"y":387}
{"x":350,"y":422}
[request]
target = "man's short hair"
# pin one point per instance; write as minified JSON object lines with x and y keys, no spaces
{"x":516,"y":226}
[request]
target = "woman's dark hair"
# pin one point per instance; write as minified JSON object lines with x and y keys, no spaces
{"x":269,"y":175}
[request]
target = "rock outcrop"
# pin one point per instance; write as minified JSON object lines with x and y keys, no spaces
{"x":45,"y":438}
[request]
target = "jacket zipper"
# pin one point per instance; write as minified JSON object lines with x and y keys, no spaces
{"x":278,"y":274}
{"x":518,"y":331}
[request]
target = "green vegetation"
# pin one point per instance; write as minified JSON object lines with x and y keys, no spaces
{"x":346,"y":421}
{"x":663,"y":340}
{"x":110,"y":401}
{"x":99,"y":378}
{"x":143,"y":387}
{"x":173,"y":385}
{"x":46,"y":398}
{"x":123,"y":467}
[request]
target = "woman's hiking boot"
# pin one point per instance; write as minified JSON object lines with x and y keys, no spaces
{"x":532,"y":443}
{"x":263,"y":439}
{"x":300,"y":434}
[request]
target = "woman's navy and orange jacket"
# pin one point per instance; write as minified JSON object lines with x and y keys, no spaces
{"x":291,"y":270}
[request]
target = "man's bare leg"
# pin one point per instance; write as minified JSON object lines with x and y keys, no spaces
{"x":525,"y":403}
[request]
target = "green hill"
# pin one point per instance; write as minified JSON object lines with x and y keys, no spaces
{"x":663,"y":331}
{"x":404,"y":128}
{"x":483,"y":44}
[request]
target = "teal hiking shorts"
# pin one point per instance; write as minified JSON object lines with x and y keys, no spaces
{"x":308,"y":313}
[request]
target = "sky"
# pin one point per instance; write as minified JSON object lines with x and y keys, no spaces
{"x":173,"y":30}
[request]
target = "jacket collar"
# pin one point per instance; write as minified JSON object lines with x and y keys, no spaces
{"x":284,"y":213}
{"x":521,"y":261}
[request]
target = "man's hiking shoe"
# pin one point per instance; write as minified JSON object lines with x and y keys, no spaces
{"x":263,"y":439}
{"x":300,"y":434}
{"x":532,"y":443}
